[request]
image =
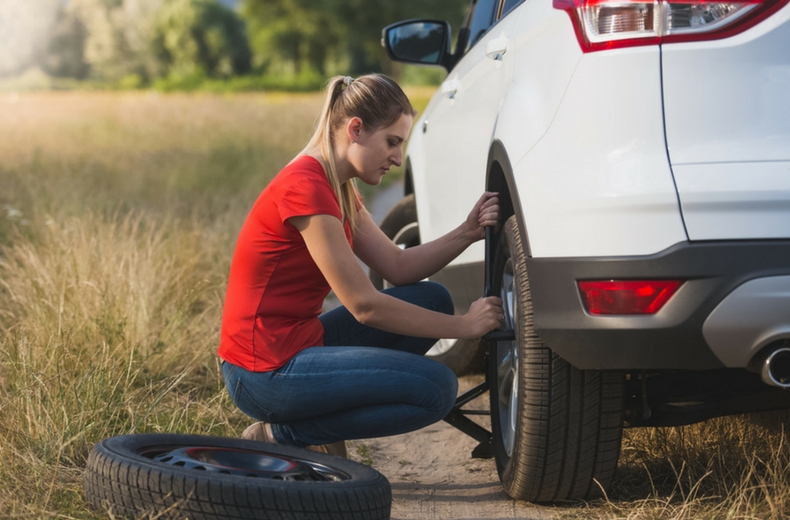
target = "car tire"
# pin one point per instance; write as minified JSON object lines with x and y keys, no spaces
{"x":556,"y":429}
{"x":400,"y":225}
{"x":200,"y":477}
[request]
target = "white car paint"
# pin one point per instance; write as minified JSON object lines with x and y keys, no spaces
{"x":727,"y":106}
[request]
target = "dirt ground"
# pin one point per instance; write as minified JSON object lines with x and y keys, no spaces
{"x":433,"y":475}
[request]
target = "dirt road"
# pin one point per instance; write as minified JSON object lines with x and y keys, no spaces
{"x":433,"y":475}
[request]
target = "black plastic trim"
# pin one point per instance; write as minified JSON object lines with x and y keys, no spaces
{"x":670,"y":339}
{"x":511,"y":204}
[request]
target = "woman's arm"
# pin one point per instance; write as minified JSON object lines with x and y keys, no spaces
{"x":404,"y":266}
{"x":327,"y":244}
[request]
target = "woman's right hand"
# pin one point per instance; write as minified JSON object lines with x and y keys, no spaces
{"x":484,"y":316}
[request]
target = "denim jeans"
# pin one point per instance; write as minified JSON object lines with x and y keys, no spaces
{"x":362,"y":383}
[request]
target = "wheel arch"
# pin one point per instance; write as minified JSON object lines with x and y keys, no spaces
{"x":500,"y":178}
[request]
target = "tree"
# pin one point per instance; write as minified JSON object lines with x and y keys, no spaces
{"x":63,"y":54}
{"x":200,"y":37}
{"x":312,"y":32}
{"x":301,"y":32}
{"x":118,"y":36}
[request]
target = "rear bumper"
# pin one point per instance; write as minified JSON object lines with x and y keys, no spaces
{"x":673,"y":338}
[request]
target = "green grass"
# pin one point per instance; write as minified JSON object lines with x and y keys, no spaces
{"x":364,"y":454}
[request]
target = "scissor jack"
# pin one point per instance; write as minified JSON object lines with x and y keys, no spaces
{"x":458,"y":416}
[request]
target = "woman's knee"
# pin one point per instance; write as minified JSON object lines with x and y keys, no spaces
{"x":447,"y":391}
{"x":427,"y":294}
{"x":439,"y":296}
{"x":444,"y":301}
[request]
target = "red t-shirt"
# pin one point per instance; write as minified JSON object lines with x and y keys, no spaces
{"x":275,"y":290}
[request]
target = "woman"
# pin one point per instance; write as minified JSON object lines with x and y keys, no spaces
{"x":357,"y":371}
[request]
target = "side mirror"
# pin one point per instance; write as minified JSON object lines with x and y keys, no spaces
{"x":423,"y":42}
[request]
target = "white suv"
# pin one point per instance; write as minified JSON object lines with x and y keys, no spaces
{"x":641,"y":150}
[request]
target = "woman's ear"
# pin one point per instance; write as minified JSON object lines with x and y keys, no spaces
{"x":354,"y":129}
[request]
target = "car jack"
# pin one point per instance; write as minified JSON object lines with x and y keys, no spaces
{"x":458,"y":416}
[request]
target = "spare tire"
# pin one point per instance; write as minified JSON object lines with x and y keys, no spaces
{"x":200,"y":477}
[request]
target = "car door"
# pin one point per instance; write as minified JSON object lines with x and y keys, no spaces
{"x":458,"y":132}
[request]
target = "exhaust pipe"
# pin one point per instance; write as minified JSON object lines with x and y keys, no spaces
{"x":776,"y":368}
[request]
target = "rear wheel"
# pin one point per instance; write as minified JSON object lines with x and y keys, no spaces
{"x":556,"y":429}
{"x":400,"y":225}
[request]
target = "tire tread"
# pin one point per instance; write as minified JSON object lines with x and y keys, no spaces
{"x":131,"y":489}
{"x":569,"y":420}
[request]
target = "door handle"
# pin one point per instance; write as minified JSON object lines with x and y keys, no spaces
{"x":497,"y":48}
{"x":449,"y":88}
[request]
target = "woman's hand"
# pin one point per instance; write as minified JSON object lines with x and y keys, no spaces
{"x":484,"y":213}
{"x":484,"y":316}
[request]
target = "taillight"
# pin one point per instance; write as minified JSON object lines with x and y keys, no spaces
{"x":609,"y":24}
{"x":627,"y":296}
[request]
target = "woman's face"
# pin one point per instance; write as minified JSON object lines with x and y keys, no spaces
{"x":374,"y":153}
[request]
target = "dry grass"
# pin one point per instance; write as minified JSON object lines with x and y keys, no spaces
{"x":177,"y":155}
{"x":734,"y":468}
{"x":108,"y":327}
{"x":119,"y":214}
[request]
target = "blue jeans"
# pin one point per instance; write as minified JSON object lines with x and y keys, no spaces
{"x":362,"y":383}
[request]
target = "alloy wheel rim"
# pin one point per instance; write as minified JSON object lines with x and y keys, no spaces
{"x":508,"y":364}
{"x":243,"y":462}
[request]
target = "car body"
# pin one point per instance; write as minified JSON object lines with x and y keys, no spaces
{"x":641,"y":151}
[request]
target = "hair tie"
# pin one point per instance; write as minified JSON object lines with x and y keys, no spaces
{"x":347,"y":81}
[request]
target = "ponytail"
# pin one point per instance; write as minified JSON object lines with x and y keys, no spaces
{"x":378,"y":101}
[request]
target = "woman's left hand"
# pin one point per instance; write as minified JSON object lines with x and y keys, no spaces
{"x":485,"y":213}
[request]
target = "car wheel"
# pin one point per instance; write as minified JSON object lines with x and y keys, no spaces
{"x":400,"y":225}
{"x":556,"y":429}
{"x":199,"y":477}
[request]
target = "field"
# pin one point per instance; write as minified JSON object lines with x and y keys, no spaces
{"x":118,"y":216}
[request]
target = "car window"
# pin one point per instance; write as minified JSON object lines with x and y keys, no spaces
{"x":509,"y":5}
{"x":481,"y":20}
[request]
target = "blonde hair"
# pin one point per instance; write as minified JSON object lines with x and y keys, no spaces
{"x":378,"y":101}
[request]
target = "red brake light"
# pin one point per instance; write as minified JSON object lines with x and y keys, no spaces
{"x":627,"y":296}
{"x":609,"y":24}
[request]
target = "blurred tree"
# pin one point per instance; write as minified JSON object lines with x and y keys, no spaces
{"x":118,"y":36}
{"x":135,"y":41}
{"x":63,"y":53}
{"x":301,"y":32}
{"x":196,"y":37}
{"x":311,"y":31}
